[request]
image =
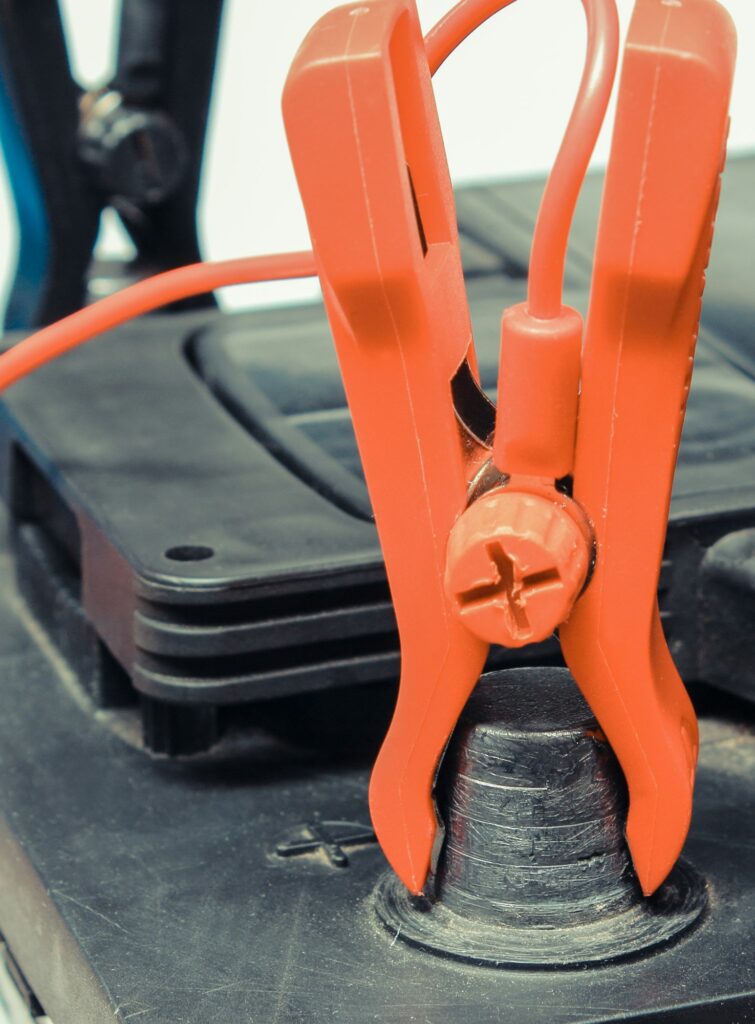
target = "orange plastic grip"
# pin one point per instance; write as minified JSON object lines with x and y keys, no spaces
{"x":655,"y":230}
{"x":368,"y":154}
{"x":538,"y":388}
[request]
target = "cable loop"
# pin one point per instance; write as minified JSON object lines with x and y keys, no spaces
{"x":551,"y":236}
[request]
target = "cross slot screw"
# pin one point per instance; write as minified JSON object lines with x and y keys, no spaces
{"x":516,"y":564}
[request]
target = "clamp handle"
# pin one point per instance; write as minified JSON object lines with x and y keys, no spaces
{"x":659,"y":203}
{"x":369,"y":158}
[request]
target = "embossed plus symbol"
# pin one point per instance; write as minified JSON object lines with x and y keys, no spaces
{"x":329,"y":836}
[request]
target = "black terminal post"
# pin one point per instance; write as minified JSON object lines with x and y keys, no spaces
{"x":534,"y":870}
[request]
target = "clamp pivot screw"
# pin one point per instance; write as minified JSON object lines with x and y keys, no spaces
{"x":516,"y":564}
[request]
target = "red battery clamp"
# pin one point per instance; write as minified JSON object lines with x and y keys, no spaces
{"x":482,"y":541}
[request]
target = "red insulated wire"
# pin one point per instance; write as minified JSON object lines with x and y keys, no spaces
{"x":143,"y":297}
{"x":454,"y":27}
{"x":551,"y":236}
{"x":549,"y":242}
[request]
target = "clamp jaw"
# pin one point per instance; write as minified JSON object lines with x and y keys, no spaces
{"x":368,"y":152}
{"x":654,"y":238}
{"x":501,"y":527}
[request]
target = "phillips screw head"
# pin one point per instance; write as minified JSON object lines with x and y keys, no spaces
{"x":516,"y":564}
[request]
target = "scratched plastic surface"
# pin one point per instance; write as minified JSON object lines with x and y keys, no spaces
{"x":147,"y":891}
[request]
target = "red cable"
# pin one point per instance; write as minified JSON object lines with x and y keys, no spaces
{"x":454,"y":27}
{"x":143,"y":297}
{"x":549,"y":242}
{"x":551,"y":235}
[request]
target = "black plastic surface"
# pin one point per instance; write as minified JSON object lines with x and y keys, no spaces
{"x":727,"y":613}
{"x":146,"y":890}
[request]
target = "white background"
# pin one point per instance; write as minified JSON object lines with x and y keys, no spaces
{"x":504,"y":98}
